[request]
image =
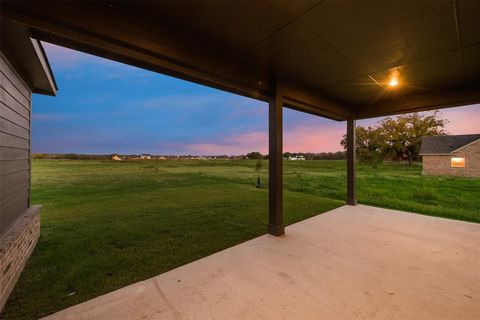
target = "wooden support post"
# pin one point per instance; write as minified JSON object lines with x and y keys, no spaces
{"x":351,"y":170}
{"x":275,"y":160}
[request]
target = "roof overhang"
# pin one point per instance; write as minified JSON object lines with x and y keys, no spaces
{"x":468,"y":144}
{"x":28,"y":56}
{"x":331,"y":58}
{"x":447,"y":145}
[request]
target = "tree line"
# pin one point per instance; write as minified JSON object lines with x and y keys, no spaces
{"x":339,"y":155}
{"x":72,"y":156}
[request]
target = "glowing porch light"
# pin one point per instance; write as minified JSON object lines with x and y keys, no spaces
{"x":393,"y":82}
{"x":394,"y":78}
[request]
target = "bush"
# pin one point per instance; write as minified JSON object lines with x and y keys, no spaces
{"x":424,"y":195}
{"x":371,"y":158}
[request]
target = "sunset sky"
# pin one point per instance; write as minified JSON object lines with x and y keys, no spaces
{"x":106,"y":107}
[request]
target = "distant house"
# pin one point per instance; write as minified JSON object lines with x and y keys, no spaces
{"x":457,"y":155}
{"x":116,"y":158}
{"x":145,"y":156}
{"x":296,"y":158}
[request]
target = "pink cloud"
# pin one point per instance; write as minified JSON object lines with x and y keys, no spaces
{"x":75,"y":64}
{"x":249,"y":138}
{"x":325,"y":138}
{"x":463,"y":120}
{"x":300,"y":138}
{"x":235,"y":144}
{"x":62,"y":57}
{"x":48,"y":117}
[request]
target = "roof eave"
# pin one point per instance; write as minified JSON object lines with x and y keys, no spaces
{"x":28,"y":57}
{"x":42,"y":57}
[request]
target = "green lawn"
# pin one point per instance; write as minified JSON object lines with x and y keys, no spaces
{"x":109,"y":224}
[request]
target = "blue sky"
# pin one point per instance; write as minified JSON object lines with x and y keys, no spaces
{"x":106,"y":107}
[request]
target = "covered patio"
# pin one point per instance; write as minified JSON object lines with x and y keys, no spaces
{"x":354,"y":262}
{"x":340,"y":60}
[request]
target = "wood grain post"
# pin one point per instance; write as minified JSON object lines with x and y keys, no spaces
{"x":351,"y":170}
{"x":275,"y":160}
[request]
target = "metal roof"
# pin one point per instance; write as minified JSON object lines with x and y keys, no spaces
{"x":446,"y":144}
{"x":332,"y":58}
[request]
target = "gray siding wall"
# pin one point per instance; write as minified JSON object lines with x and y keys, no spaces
{"x":15,"y":124}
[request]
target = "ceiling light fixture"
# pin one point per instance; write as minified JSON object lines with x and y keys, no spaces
{"x":393,"y":82}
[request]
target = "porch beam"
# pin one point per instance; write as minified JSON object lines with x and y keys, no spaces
{"x":275,"y":160}
{"x":351,"y":169}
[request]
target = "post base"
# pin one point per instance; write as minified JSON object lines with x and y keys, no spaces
{"x":276,"y":230}
{"x":352,"y":202}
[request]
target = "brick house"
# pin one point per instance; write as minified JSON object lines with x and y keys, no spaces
{"x":457,"y":155}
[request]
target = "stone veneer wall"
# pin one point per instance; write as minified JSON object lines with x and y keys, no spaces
{"x":440,"y":164}
{"x":16,"y":246}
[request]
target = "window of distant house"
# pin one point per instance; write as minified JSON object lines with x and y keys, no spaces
{"x":457,"y":162}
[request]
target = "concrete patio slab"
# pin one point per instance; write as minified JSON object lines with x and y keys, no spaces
{"x":349,"y":263}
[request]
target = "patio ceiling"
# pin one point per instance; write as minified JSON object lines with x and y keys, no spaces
{"x":334,"y":59}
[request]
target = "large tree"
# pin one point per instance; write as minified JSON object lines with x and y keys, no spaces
{"x":403,"y":135}
{"x":398,"y":137}
{"x":370,"y":145}
{"x":254,"y":155}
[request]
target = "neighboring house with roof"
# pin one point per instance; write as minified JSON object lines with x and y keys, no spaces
{"x":294,"y":157}
{"x":457,"y":155}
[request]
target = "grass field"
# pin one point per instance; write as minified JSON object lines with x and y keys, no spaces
{"x":109,"y":224}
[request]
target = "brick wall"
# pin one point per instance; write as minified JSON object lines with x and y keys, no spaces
{"x":440,"y":164}
{"x":16,"y":247}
